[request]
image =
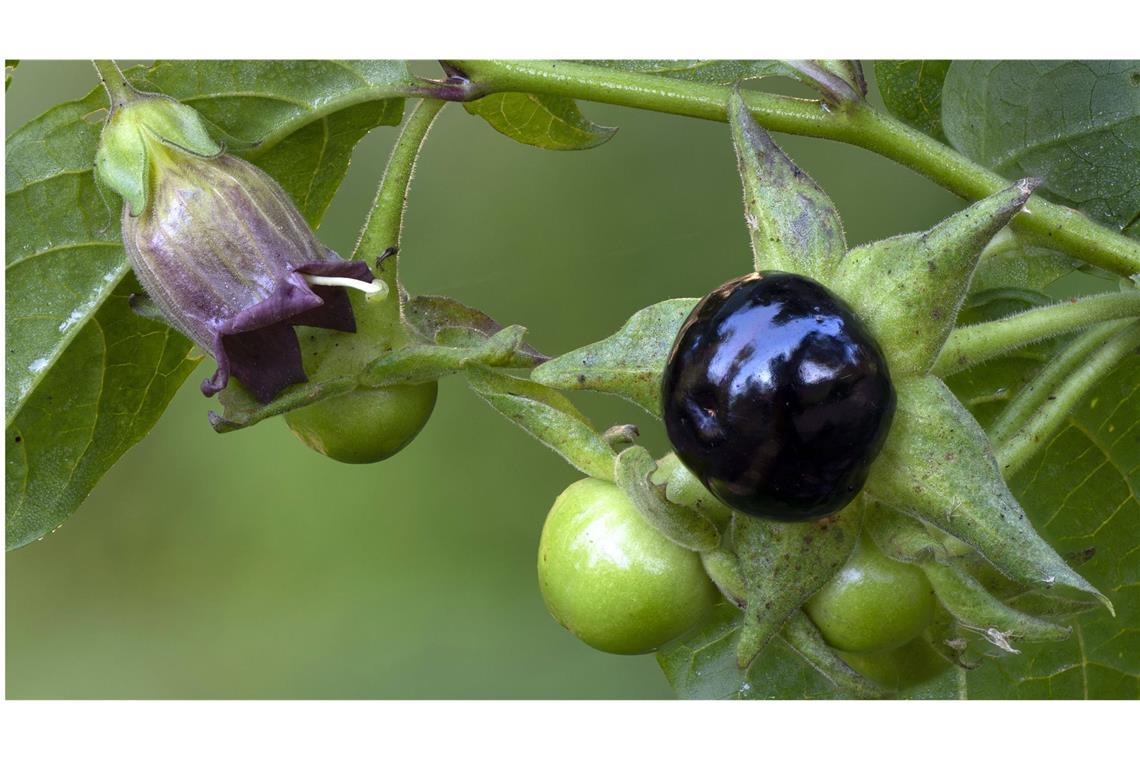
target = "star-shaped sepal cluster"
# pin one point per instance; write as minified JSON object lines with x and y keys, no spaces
{"x":935,"y":495}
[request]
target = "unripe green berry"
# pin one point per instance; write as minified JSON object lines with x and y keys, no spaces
{"x":364,"y":426}
{"x":873,"y":604}
{"x":611,"y":578}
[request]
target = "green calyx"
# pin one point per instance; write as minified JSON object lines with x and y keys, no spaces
{"x":935,"y":510}
{"x":140,"y":129}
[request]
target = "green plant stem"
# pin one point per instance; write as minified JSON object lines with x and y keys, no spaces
{"x":119,"y":90}
{"x":1042,"y":407}
{"x":1053,"y":225}
{"x":385,"y":220}
{"x":971,"y":345}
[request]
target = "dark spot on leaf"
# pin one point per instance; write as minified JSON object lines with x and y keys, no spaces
{"x":17,"y":439}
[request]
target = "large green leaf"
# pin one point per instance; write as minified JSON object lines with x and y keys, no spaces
{"x":1082,"y":490}
{"x":64,"y":259}
{"x":99,"y":398}
{"x":912,"y":91}
{"x":544,"y":121}
{"x":1076,"y":124}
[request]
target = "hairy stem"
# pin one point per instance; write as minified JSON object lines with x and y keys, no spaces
{"x":1058,"y":227}
{"x":973,"y":344}
{"x":382,"y":228}
{"x":1042,"y":407}
{"x":119,"y":90}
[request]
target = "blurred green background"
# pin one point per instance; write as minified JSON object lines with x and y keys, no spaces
{"x":248,"y":566}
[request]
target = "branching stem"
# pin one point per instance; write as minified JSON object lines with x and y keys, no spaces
{"x":973,"y":344}
{"x":1042,"y":407}
{"x":382,"y":228}
{"x":1056,"y":226}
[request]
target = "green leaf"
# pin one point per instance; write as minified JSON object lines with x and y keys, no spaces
{"x":629,"y":363}
{"x":548,"y":416}
{"x":792,"y":223}
{"x":682,"y":525}
{"x":9,"y":67}
{"x":1076,"y":124}
{"x":64,"y":257}
{"x":1081,"y":490}
{"x":912,"y":91}
{"x":544,"y":121}
{"x":100,"y":398}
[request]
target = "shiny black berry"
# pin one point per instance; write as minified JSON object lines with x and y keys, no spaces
{"x":777,"y":397}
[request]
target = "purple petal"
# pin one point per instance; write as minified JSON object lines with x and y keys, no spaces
{"x":334,"y":314}
{"x":265,"y":361}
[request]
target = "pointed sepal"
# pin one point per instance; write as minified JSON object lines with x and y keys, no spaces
{"x":937,"y":465}
{"x":978,"y":610}
{"x":806,"y":640}
{"x":901,"y":537}
{"x":548,"y":416}
{"x":683,"y":487}
{"x":908,"y":289}
{"x":680,"y":524}
{"x":792,"y":223}
{"x":783,"y":564}
{"x":628,"y":363}
{"x":134,"y":134}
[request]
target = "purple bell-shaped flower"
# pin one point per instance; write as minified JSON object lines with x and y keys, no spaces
{"x":220,"y":247}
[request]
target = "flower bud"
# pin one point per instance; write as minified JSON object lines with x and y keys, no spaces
{"x":220,"y":247}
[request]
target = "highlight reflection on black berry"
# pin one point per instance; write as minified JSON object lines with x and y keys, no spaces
{"x":777,"y":397}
